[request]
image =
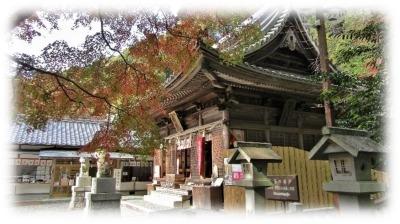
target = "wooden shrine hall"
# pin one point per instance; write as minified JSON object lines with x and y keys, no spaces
{"x":270,"y":97}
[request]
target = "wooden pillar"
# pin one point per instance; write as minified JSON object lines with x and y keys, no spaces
{"x":266,"y":122}
{"x":52,"y":173}
{"x":300,"y":134}
{"x":160,"y":159}
{"x":225,"y":128}
{"x":200,"y":118}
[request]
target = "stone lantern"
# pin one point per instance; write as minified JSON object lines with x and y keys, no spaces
{"x":352,"y":155}
{"x":249,"y":169}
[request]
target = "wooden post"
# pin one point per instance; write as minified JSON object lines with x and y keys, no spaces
{"x":324,"y":65}
{"x":225,"y":128}
{"x":200,"y":118}
{"x":267,"y":131}
{"x":300,"y":121}
{"x":52,"y":173}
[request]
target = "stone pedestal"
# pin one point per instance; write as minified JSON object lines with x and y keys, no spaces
{"x":354,"y":195}
{"x":83,"y":185}
{"x":103,"y":197}
{"x":83,"y":181}
{"x":352,"y":202}
{"x":255,"y":200}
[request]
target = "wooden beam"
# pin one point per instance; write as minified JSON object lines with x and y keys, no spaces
{"x":213,"y":79}
{"x":209,"y":126}
{"x":287,"y":109}
{"x":243,"y":124}
{"x":187,"y":101}
{"x":176,"y":121}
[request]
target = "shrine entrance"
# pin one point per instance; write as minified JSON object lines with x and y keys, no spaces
{"x":183,"y":162}
{"x":207,"y":159}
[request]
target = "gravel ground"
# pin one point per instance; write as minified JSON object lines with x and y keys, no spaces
{"x":58,"y":208}
{"x":49,"y":208}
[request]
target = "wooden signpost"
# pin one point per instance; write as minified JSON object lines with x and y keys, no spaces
{"x":285,"y":188}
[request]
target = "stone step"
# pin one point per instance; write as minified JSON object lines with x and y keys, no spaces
{"x":172,"y":196}
{"x":173,"y":190}
{"x":168,"y":202}
{"x":185,"y":187}
{"x":143,"y":206}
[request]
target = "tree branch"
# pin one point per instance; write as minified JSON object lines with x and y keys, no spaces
{"x":103,"y":35}
{"x":175,"y":34}
{"x":61,"y":77}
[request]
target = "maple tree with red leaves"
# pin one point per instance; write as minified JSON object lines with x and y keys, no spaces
{"x":117,"y":74}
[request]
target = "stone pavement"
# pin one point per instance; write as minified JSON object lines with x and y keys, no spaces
{"x":32,"y":199}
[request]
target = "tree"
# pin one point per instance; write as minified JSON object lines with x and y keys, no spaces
{"x":356,"y":47}
{"x":117,"y":73}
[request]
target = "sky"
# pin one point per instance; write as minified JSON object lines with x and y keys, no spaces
{"x":74,"y":38}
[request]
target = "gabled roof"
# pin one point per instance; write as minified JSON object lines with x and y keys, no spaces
{"x":273,"y":23}
{"x":210,"y":71}
{"x":349,"y":140}
{"x":73,"y":133}
{"x":249,"y":151}
{"x":241,"y":76}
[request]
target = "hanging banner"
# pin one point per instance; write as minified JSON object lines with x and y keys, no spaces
{"x":200,"y":154}
{"x":184,"y":143}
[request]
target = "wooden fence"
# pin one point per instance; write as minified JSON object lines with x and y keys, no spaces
{"x":311,"y":175}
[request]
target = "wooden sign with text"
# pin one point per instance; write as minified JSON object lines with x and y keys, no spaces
{"x":285,"y":188}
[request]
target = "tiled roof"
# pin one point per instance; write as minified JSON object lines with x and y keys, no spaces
{"x":271,"y":22}
{"x":60,"y":133}
{"x":351,"y":141}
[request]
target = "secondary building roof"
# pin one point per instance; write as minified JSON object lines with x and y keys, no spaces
{"x":349,"y":140}
{"x":73,"y":133}
{"x":249,"y":151}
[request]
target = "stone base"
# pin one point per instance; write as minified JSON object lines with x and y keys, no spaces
{"x":83,"y":185}
{"x":83,"y":181}
{"x":255,"y":200}
{"x":353,"y":203}
{"x":356,"y":187}
{"x":102,"y":203}
{"x":103,"y":185}
{"x":77,"y":200}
